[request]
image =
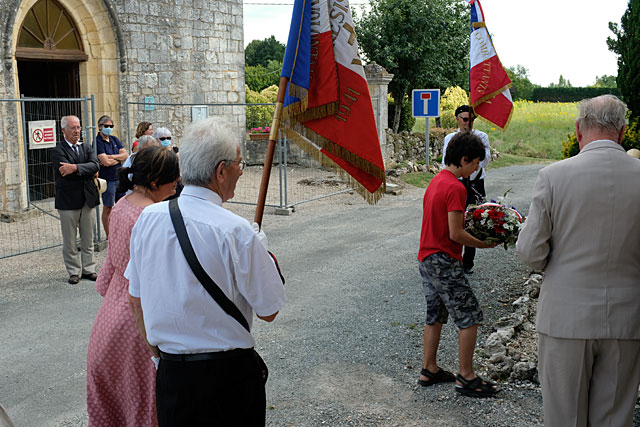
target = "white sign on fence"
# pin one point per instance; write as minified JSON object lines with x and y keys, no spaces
{"x":42,"y":134}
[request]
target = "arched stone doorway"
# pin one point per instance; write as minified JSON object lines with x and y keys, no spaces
{"x":62,"y":48}
{"x":48,"y":55}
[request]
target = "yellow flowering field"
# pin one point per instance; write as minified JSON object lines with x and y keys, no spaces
{"x":537,"y":129}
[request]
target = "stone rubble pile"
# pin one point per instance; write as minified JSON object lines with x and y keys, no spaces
{"x":510,"y":353}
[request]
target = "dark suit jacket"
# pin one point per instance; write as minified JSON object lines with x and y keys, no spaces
{"x":77,"y":189}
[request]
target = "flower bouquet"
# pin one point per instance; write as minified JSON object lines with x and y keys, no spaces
{"x":494,"y":222}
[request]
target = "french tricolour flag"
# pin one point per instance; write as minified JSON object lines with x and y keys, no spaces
{"x":328,"y":103}
{"x":488,"y":81}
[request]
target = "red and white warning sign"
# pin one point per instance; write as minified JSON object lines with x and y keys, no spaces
{"x":42,"y":134}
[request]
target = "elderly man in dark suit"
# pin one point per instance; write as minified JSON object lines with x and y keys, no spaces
{"x":583,"y":230}
{"x":75,"y":165}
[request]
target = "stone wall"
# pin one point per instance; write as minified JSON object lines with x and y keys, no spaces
{"x":186,"y":51}
{"x":407,"y":147}
{"x":176,"y":51}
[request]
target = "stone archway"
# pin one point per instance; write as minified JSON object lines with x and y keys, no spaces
{"x":102,"y":44}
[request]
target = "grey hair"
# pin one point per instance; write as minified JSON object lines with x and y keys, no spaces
{"x":65,"y":121}
{"x":148,"y":141}
{"x":204,"y":145}
{"x":162,"y":132}
{"x":606,"y":112}
{"x":104,"y":119}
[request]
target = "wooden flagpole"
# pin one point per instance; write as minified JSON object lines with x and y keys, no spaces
{"x":271,"y":146}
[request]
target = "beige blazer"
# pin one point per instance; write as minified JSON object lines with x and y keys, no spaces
{"x":583,"y":230}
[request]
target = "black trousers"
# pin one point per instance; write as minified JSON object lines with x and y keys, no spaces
{"x":475,"y":195}
{"x":224,"y":392}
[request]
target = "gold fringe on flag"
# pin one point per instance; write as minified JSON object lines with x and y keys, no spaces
{"x":307,"y":140}
{"x":296,"y":108}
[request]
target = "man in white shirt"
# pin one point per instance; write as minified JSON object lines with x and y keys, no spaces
{"x":465,"y":117}
{"x":208,"y":372}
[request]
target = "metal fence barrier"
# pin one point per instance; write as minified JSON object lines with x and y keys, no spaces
{"x":35,"y":225}
{"x":296,"y":178}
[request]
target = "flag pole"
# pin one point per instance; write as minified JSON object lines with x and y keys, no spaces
{"x":271,"y":146}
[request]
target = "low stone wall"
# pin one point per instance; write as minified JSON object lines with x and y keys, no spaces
{"x":406,"y":147}
{"x":510,"y":353}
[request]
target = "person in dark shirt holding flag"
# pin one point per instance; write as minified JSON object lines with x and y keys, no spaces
{"x":446,"y":288}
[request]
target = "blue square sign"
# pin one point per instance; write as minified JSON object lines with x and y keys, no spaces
{"x":425,"y":102}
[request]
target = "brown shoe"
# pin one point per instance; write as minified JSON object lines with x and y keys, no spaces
{"x":74,"y":279}
{"x":90,"y":276}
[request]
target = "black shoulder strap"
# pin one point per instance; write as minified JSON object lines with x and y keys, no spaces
{"x":207,"y":282}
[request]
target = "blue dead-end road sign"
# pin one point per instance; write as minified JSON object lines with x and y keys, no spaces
{"x":425,"y":102}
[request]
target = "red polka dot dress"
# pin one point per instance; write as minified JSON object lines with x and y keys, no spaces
{"x":121,"y":377}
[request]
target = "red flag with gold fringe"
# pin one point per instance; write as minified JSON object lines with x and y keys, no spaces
{"x":330,"y":114}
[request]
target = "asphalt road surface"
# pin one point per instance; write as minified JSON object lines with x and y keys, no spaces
{"x":345,"y":350}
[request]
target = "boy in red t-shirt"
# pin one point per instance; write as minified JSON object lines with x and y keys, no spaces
{"x":445,"y":286}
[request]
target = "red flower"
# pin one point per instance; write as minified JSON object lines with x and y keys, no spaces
{"x":477,"y":214}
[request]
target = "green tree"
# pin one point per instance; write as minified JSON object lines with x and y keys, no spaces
{"x":561,"y":82}
{"x":260,"y":52}
{"x":625,"y":45}
{"x":521,"y":86}
{"x":259,"y":77}
{"x":422,"y":43}
{"x":605,"y":81}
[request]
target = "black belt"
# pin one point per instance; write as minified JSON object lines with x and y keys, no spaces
{"x":194,"y":357}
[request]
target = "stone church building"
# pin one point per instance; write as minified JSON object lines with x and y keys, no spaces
{"x":119,"y":51}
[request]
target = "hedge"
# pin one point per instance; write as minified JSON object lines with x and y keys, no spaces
{"x":570,"y":94}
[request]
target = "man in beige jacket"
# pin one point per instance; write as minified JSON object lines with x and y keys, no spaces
{"x":583,"y":230}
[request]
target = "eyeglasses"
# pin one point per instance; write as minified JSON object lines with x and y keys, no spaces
{"x":241,"y":163}
{"x":165,"y":138}
{"x":107,"y":126}
{"x":466,"y":119}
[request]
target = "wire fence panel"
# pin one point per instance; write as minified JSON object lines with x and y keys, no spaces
{"x":29,"y":220}
{"x":295,"y":176}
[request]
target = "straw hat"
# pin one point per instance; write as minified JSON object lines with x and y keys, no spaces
{"x":634,"y":152}
{"x":101,"y":184}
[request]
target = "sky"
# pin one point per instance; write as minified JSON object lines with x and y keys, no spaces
{"x":548,"y":37}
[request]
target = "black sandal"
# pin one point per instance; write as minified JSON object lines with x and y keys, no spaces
{"x":476,"y":387}
{"x":441,"y":376}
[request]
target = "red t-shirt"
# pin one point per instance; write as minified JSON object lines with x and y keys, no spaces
{"x":443,"y":195}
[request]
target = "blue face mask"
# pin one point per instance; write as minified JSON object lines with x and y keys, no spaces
{"x":107,"y":131}
{"x":165,"y":143}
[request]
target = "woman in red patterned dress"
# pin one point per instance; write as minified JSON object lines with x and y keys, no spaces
{"x":121,"y":375}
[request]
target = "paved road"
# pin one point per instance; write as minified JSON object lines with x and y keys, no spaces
{"x":344,"y":351}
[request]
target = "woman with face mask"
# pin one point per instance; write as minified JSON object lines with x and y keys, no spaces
{"x":110,"y":154}
{"x":164,"y":136}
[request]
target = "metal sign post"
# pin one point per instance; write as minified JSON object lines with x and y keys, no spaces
{"x":425,"y":103}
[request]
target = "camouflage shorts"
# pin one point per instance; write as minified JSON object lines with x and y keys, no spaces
{"x":447,"y":291}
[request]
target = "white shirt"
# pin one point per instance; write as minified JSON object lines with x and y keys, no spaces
{"x":77,"y":144}
{"x":179,"y":314}
{"x":127,"y":163}
{"x":487,"y":151}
